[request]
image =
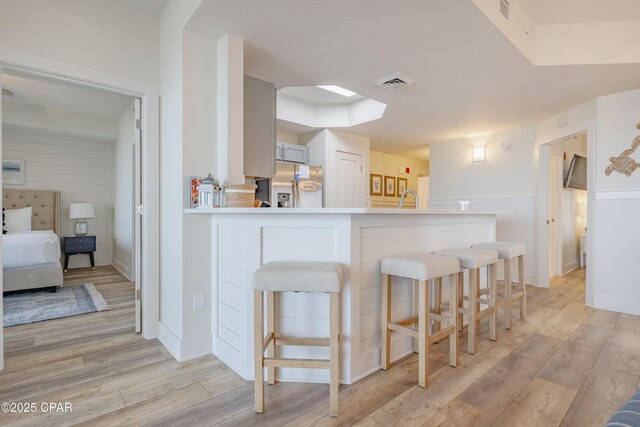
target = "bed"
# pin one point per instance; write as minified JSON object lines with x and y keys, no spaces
{"x":32,"y":259}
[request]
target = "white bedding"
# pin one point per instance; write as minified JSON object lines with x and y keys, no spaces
{"x":27,"y":248}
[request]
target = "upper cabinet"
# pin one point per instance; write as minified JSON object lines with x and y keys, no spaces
{"x":259,"y":127}
{"x":292,"y":153}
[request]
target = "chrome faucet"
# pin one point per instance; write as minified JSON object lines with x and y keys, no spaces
{"x":404,"y":193}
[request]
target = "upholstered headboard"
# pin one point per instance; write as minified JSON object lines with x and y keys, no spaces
{"x":45,"y":204}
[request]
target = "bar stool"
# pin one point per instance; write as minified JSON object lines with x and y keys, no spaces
{"x":508,"y":251}
{"x":472,"y":260}
{"x":295,"y":276}
{"x":421,"y":268}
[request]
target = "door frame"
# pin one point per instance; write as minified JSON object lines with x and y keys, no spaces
{"x":542,"y":153}
{"x":150,"y":95}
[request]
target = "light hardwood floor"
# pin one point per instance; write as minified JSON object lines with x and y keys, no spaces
{"x":566,"y":364}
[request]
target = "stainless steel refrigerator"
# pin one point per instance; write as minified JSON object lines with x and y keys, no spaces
{"x":297,"y":186}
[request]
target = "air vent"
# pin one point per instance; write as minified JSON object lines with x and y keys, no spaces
{"x":563,"y":121}
{"x":504,"y":8}
{"x":394,"y":81}
{"x":7,"y":92}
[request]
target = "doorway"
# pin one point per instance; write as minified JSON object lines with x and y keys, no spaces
{"x":77,"y":142}
{"x":563,"y":198}
{"x":147,"y":268}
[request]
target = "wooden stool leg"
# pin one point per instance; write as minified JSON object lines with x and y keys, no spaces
{"x":523,"y":286}
{"x":386,"y":317}
{"x":334,"y":349}
{"x":437,"y":302}
{"x":493,"y":295}
{"x":423,"y":334}
{"x":453,"y":320}
{"x":473,"y":293}
{"x":258,"y":337}
{"x":508,"y":302}
{"x":460,"y":285}
{"x":271,"y":330}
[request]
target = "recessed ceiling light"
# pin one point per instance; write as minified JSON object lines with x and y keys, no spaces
{"x":339,"y":90}
{"x":7,"y":92}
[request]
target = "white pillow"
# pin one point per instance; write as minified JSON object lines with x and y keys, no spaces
{"x":17,"y":219}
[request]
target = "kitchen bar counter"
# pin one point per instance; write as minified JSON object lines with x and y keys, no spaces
{"x":384,"y":211}
{"x":356,"y":238}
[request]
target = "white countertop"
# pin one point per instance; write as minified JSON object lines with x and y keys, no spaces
{"x":290,"y":211}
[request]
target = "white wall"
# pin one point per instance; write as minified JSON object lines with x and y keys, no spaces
{"x":188,"y":75}
{"x":199,"y":148}
{"x":56,"y":121}
{"x":616,"y":235}
{"x":287,"y":137}
{"x":504,"y":182}
{"x":101,"y":35}
{"x":82,"y":170}
{"x":123,"y":194}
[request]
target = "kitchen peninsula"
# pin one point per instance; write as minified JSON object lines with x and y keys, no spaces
{"x":357,"y":238}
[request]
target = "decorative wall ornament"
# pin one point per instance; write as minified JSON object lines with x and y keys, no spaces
{"x":623,"y":163}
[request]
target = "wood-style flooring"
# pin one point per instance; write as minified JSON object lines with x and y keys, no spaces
{"x":567,"y":364}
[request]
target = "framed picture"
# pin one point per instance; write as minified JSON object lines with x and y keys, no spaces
{"x":402,"y":185}
{"x":375,"y":184}
{"x":12,"y":171}
{"x":193,"y":183}
{"x":390,"y":186}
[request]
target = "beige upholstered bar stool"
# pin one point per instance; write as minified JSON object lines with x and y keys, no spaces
{"x":508,"y":251}
{"x":421,"y":268}
{"x":295,"y":276}
{"x":473,"y":260}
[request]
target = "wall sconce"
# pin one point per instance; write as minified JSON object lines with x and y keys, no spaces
{"x":479,"y":153}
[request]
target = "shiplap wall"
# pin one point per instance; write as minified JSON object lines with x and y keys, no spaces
{"x":82,"y":170}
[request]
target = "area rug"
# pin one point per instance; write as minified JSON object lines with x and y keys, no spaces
{"x":38,"y":305}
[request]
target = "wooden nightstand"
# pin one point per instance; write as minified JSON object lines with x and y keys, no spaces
{"x":73,"y":245}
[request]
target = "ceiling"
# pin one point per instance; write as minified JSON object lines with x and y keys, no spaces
{"x":546,"y":12}
{"x":154,"y":7}
{"x":48,"y":93}
{"x":468,"y":77}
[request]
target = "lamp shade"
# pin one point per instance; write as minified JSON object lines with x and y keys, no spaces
{"x":81,"y":210}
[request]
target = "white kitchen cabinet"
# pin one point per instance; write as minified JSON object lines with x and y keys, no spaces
{"x":292,"y":153}
{"x":259,"y":127}
{"x":344,"y":158}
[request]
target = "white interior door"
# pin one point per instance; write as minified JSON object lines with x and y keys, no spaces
{"x":137,"y":214}
{"x":349,"y":180}
{"x":1,"y":284}
{"x":555,"y":215}
{"x":553,"y":197}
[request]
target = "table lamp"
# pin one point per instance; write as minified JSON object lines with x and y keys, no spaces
{"x":80,"y":211}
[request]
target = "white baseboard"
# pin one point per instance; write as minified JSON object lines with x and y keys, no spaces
{"x":126,"y":271}
{"x":620,"y":305}
{"x":169,"y":340}
{"x":195,"y":347}
{"x":568,"y":268}
{"x":184,"y":350}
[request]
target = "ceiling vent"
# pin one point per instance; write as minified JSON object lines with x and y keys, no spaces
{"x":504,"y":8}
{"x":394,"y":81}
{"x":563,"y":121}
{"x":7,"y":92}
